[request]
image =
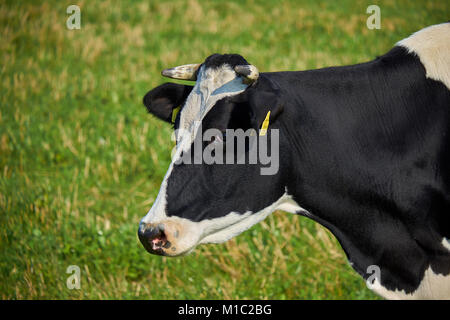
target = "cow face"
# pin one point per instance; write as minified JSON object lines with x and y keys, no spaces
{"x":204,"y":201}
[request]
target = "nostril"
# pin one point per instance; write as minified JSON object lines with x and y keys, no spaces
{"x":153,"y":237}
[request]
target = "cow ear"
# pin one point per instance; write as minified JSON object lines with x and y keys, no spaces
{"x":162,"y":100}
{"x":264,"y":97}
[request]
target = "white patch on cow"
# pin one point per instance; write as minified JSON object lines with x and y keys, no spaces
{"x":212,"y":85}
{"x":157,"y":212}
{"x":215,"y":230}
{"x":289,"y":205}
{"x":432,"y":286}
{"x":446,"y":243}
{"x":225,"y":228}
{"x":432,"y":46}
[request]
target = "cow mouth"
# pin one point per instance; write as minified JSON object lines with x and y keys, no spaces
{"x":160,"y":242}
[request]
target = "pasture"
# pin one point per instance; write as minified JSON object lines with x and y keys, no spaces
{"x":81,"y":161}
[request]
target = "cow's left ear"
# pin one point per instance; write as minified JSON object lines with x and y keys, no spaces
{"x":162,"y":100}
{"x":264,"y":97}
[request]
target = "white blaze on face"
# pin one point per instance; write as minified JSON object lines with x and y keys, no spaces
{"x":212,"y":85}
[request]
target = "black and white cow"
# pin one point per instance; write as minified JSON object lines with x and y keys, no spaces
{"x":364,"y":150}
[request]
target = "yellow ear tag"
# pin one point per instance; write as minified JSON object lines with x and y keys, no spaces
{"x":265,"y":125}
{"x":174,"y":113}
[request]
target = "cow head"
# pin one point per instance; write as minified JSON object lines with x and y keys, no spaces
{"x":202,"y":202}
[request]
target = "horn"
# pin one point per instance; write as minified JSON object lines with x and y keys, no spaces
{"x":248,"y":71}
{"x":184,"y":72}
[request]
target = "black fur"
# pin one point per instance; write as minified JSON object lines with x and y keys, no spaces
{"x":365,"y":149}
{"x":216,"y":60}
{"x":163,"y":99}
{"x":370,"y":151}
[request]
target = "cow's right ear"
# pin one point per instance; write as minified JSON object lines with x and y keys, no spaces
{"x":161,"y":100}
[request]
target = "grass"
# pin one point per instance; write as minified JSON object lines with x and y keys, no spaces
{"x":81,"y":161}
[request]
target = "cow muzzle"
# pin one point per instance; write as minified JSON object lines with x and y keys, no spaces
{"x":161,"y":238}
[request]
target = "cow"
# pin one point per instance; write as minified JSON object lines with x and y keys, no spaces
{"x":364,"y":150}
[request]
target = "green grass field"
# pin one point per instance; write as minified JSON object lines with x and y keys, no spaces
{"x":81,"y":161}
